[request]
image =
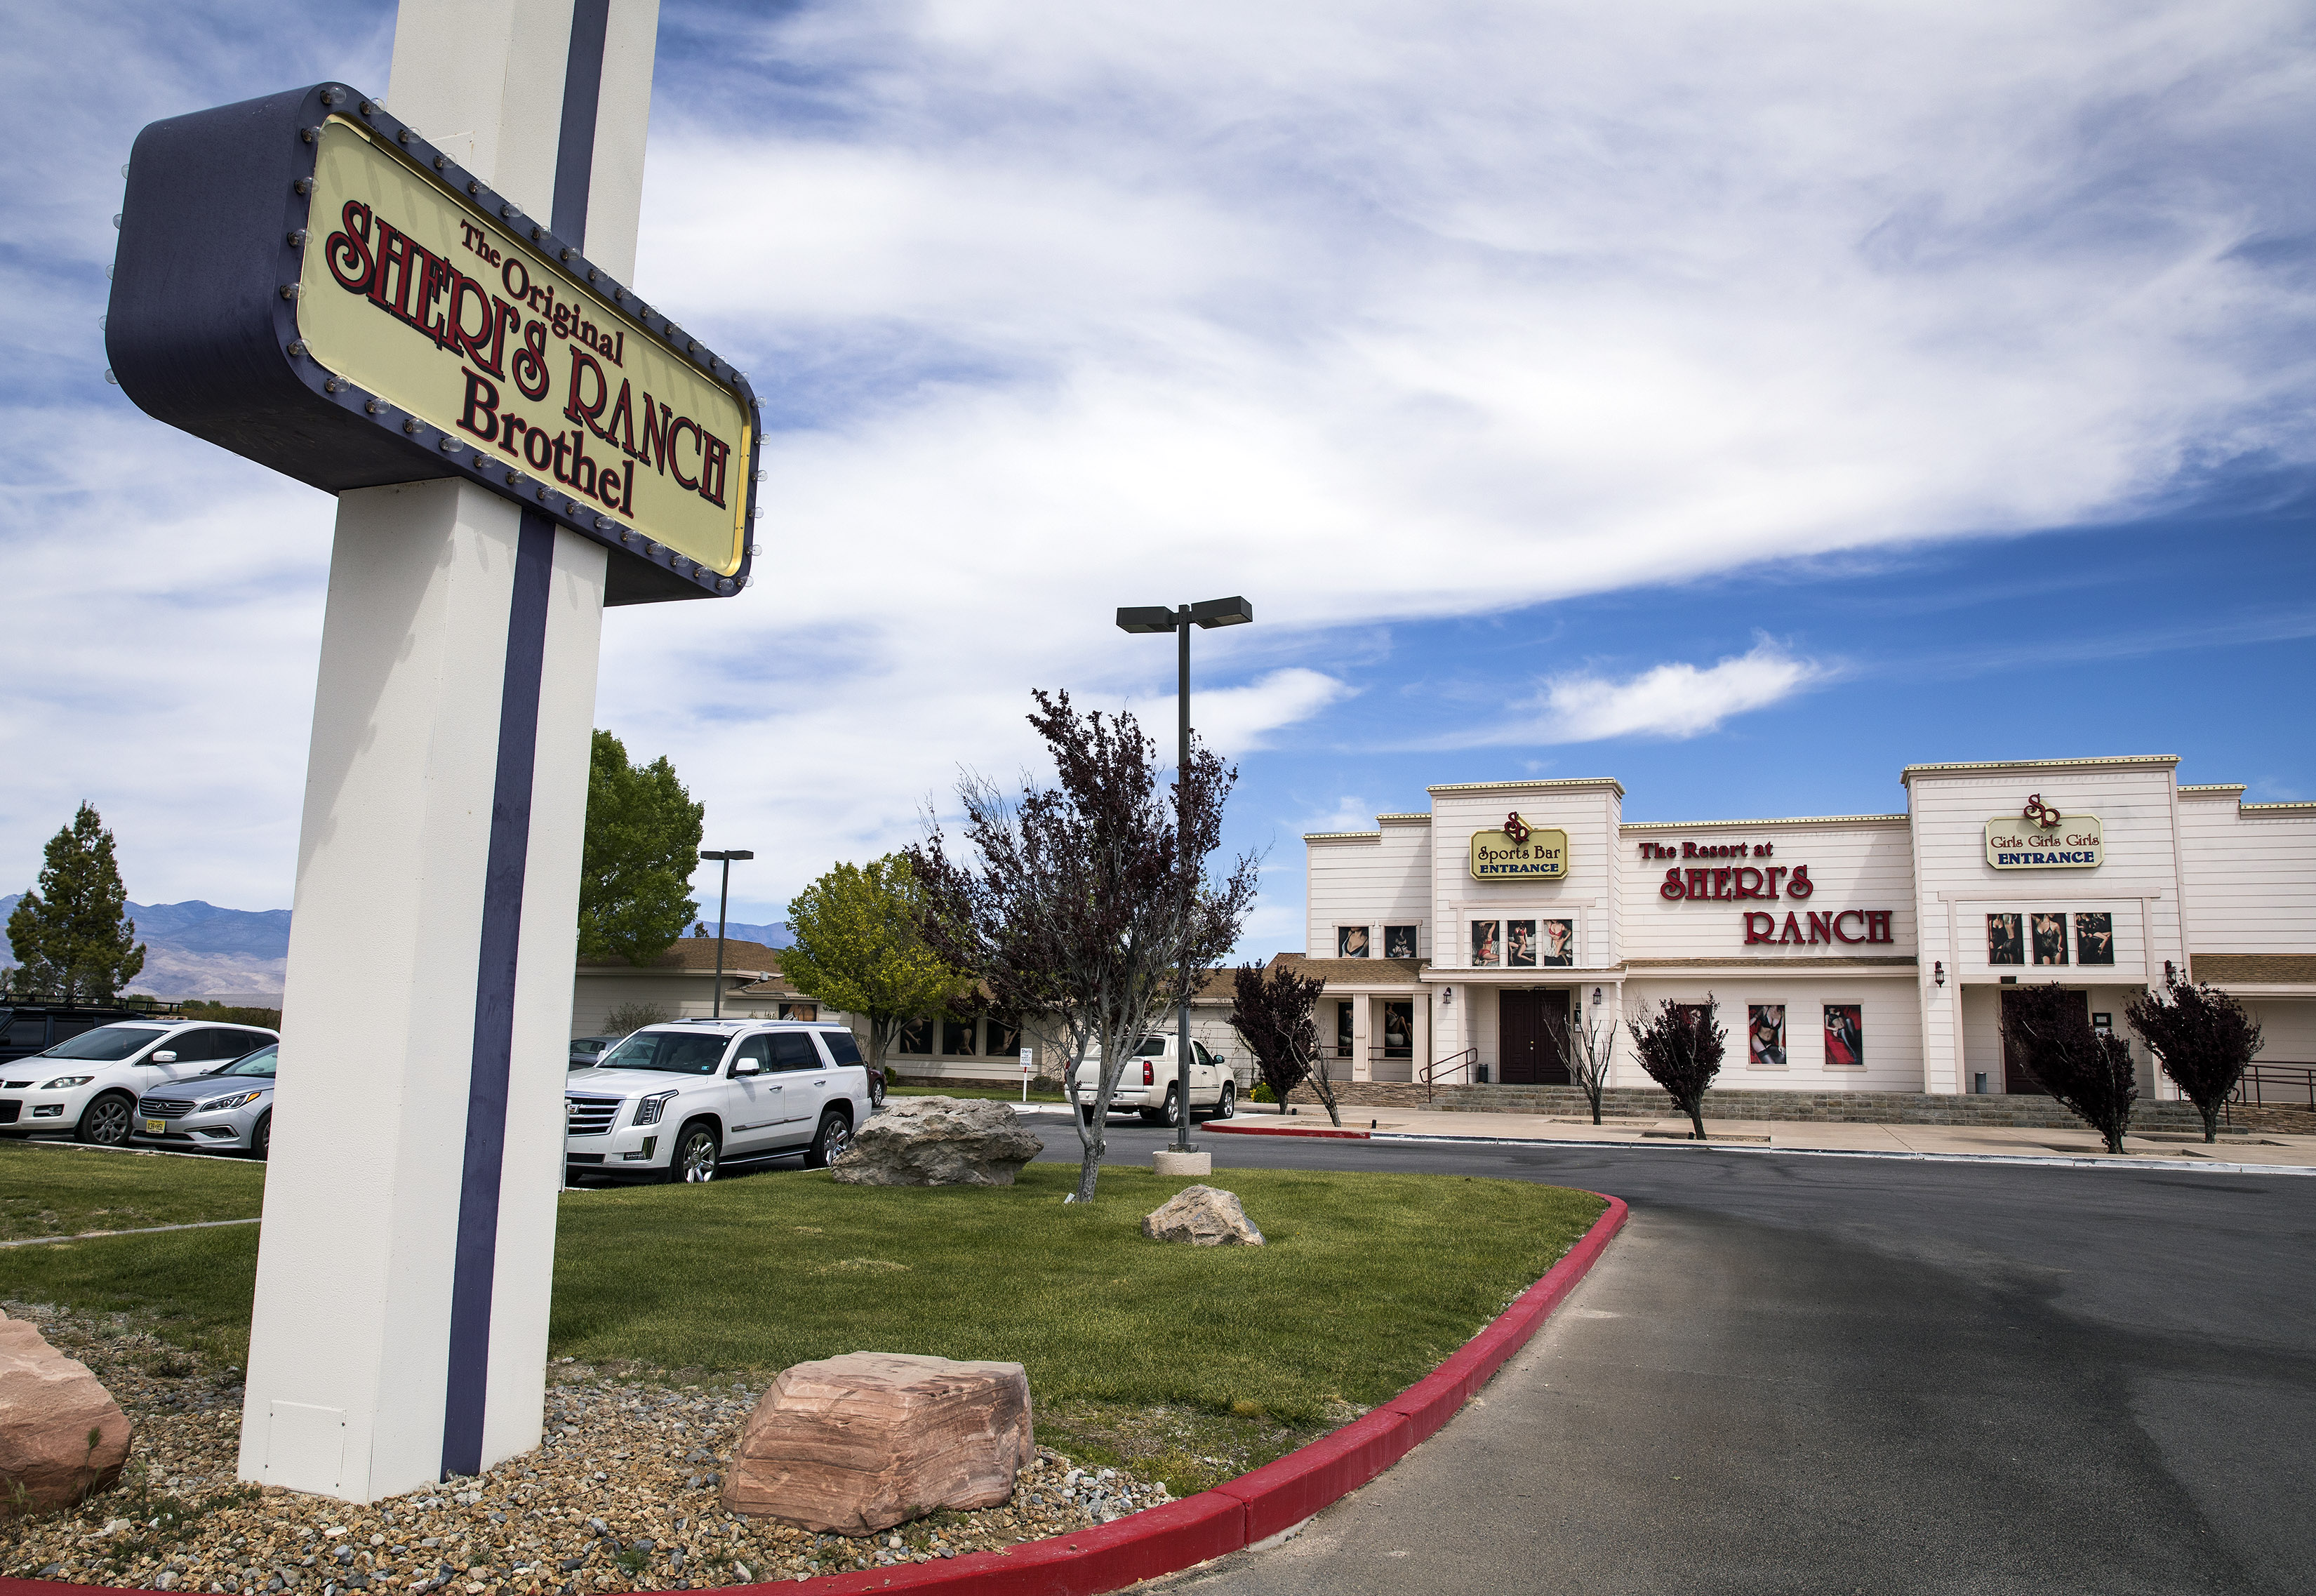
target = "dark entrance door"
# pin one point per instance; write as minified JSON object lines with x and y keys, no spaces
{"x":1530,"y":1056}
{"x":2014,"y":1079}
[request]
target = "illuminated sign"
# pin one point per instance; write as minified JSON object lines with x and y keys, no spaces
{"x":1520,"y":852}
{"x":306,"y":280}
{"x":2048,"y":842}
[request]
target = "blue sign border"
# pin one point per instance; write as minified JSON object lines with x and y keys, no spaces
{"x":202,"y":331}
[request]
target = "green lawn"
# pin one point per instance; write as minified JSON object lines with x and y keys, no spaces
{"x":1367,"y":1282}
{"x":64,"y":1189}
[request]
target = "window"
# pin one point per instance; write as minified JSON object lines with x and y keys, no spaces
{"x":1343,"y":1032}
{"x":800,"y":1011}
{"x":1399,"y":1031}
{"x":2094,"y":939}
{"x":840,"y":1046}
{"x":1152,"y":1047}
{"x":1205,"y":1060}
{"x":756,"y":1050}
{"x":792,"y":1049}
{"x":1845,"y":1035}
{"x":1350,"y":941}
{"x":957,"y":1037}
{"x":1519,"y":944}
{"x":676,"y":1052}
{"x":1560,"y":942}
{"x":2006,"y":942}
{"x":260,"y":1062}
{"x":2050,"y":938}
{"x":1765,"y":1035}
{"x":917,"y":1038}
{"x":1399,"y":943}
{"x":1004,"y":1036}
{"x":106,"y":1044}
{"x":1486,"y":953}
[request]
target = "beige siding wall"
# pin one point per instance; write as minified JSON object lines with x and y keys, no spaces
{"x":1890,"y":1029}
{"x":1370,"y":879}
{"x":2250,"y":875}
{"x":1588,"y":811}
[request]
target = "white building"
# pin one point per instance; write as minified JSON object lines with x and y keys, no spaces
{"x":1856,"y":952}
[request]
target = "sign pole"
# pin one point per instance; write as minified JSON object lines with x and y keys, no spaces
{"x":399,"y":1332}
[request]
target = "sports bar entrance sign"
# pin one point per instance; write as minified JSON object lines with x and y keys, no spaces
{"x":421,"y":326}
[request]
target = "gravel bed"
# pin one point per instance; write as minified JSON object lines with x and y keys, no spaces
{"x":622,"y":1496}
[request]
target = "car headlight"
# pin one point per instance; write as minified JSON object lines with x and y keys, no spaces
{"x":232,"y":1101}
{"x":61,"y":1081}
{"x":650,"y":1109}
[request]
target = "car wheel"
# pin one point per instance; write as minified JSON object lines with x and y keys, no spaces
{"x":694,"y":1161}
{"x":106,"y":1121}
{"x":829,"y":1142}
{"x":260,"y":1140}
{"x":876,"y":1092}
{"x":1171,"y":1114}
{"x":1228,"y":1106}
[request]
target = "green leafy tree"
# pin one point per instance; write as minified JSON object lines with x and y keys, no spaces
{"x":72,"y":933}
{"x":643,"y":843}
{"x":858,"y":948}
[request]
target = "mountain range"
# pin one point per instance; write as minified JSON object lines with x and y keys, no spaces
{"x":198,"y":950}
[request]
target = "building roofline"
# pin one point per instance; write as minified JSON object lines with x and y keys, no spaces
{"x":2301,"y":806}
{"x":2109,"y":761}
{"x":1566,"y":781}
{"x":1792,"y":820}
{"x":2201,"y":787}
{"x":1405,"y":818}
{"x":1342,"y":836}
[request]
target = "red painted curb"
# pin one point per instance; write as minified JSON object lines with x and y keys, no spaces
{"x":1253,"y":1507}
{"x":1281,"y":1130}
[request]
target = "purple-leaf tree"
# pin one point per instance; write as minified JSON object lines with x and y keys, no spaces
{"x":2048,"y":1029}
{"x":2202,"y":1038}
{"x":1081,"y":901}
{"x":1272,"y":1012}
{"x":1681,"y":1047}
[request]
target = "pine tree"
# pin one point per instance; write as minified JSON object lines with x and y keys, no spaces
{"x":72,"y":933}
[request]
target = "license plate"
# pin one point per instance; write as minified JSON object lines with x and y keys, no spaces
{"x":155,"y":1126}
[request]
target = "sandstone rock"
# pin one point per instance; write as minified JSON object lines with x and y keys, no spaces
{"x":860,"y":1443}
{"x":938,"y":1141}
{"x":49,"y":1405}
{"x":1203,"y":1218}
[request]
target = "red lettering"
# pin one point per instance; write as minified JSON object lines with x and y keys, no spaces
{"x":1820,"y":927}
{"x":1838,"y":919}
{"x":1743,"y":889}
{"x":1673,"y":888}
{"x":1775,"y":870}
{"x":681,"y":423}
{"x":482,"y":405}
{"x":583,"y":365}
{"x":623,"y":420}
{"x":1697,"y":886}
{"x":352,"y":246}
{"x":1801,"y":885}
{"x":1720,"y":880}
{"x":1761,"y":933}
{"x":655,"y":434}
{"x":713,"y":453}
{"x":1792,"y":931}
{"x":1877,"y":925}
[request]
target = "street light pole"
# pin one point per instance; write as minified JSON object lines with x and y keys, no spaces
{"x":723,"y":900}
{"x":1158,"y":618}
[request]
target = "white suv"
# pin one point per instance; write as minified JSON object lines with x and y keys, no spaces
{"x":87,"y":1085}
{"x":1147,"y":1085}
{"x":676,"y":1102}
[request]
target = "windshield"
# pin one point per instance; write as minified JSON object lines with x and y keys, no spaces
{"x":678,"y":1052}
{"x":260,"y":1062}
{"x":1151,"y":1046}
{"x":106,"y":1044}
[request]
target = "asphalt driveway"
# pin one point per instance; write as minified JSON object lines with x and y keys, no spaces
{"x":1796,"y":1374}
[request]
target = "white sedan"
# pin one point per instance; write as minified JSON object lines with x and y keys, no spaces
{"x":87,"y":1085}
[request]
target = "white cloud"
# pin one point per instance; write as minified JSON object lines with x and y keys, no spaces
{"x":1675,"y":699}
{"x":1364,"y":311}
{"x":1350,"y":813}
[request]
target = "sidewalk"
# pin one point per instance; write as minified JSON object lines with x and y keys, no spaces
{"x":2249,"y":1148}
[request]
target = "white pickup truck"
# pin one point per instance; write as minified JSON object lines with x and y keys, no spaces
{"x":1148,"y":1085}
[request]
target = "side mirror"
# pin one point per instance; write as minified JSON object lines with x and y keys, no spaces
{"x":747,"y":1066}
{"x":162,"y":1057}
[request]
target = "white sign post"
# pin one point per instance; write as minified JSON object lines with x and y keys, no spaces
{"x":399,"y":1336}
{"x":1029,"y":1057}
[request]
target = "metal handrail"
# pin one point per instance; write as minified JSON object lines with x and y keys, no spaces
{"x":2256,"y":1077}
{"x":1468,"y":1058}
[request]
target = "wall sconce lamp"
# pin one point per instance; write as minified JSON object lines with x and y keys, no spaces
{"x":1939,"y":971}
{"x":1595,"y":997}
{"x":1447,"y":997}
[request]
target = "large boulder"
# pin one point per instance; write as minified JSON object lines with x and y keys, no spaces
{"x":62,"y":1436}
{"x":938,"y":1141}
{"x":1203,"y":1218}
{"x":860,"y":1443}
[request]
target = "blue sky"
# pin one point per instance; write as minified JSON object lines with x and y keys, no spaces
{"x":1743,"y":403}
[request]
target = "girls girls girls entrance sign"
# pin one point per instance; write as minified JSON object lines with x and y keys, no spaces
{"x":304,"y":280}
{"x":2040,"y":838}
